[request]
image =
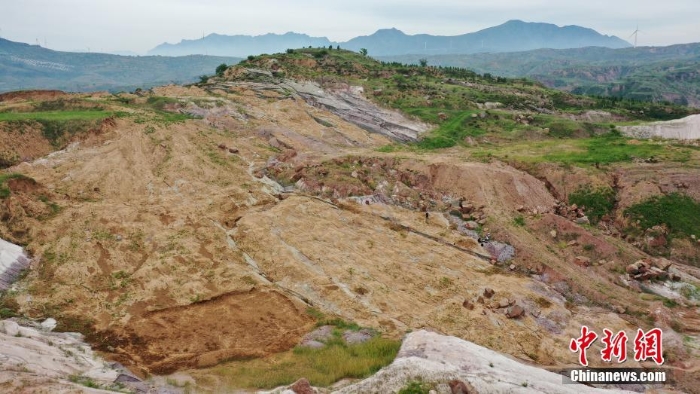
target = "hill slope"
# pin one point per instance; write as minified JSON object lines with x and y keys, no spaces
{"x":644,"y":73}
{"x":508,"y":37}
{"x":219,"y":223}
{"x":24,"y":66}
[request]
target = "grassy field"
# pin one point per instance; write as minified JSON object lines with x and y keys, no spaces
{"x":602,"y":150}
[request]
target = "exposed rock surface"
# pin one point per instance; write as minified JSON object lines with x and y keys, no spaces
{"x":12,"y":261}
{"x":439,"y":360}
{"x":687,"y":128}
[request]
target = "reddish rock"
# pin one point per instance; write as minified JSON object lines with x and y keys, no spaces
{"x":468,"y":304}
{"x":460,"y":387}
{"x":515,"y":311}
{"x":302,"y":386}
{"x":582,"y":261}
{"x":489,"y":292}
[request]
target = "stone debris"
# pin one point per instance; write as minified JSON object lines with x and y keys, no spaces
{"x":657,"y":268}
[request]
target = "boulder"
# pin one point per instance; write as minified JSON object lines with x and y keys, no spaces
{"x":302,"y":386}
{"x":503,"y":303}
{"x":583,"y":220}
{"x":460,"y":387}
{"x":553,"y":233}
{"x":489,"y":292}
{"x":515,"y":311}
{"x":11,"y":328}
{"x":469,"y":305}
{"x":49,"y":324}
{"x":471,"y":225}
{"x":662,"y":263}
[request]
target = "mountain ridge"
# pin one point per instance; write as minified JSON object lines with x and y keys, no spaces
{"x":25,"y":66}
{"x":510,"y":36}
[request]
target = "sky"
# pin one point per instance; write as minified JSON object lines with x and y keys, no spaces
{"x":140,"y":25}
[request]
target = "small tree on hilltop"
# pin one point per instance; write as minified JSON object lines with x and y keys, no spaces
{"x":363,"y":51}
{"x":221,"y":70}
{"x":423,"y":62}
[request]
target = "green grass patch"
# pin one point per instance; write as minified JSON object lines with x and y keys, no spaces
{"x":597,"y":202}
{"x":415,"y":387}
{"x":322,"y":367}
{"x":678,"y":212}
{"x":584,"y":152}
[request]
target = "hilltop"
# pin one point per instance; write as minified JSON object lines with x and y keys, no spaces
{"x":25,"y":66}
{"x":300,"y":213}
{"x":509,"y":37}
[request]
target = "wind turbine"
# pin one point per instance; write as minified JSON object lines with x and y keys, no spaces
{"x":636,"y":31}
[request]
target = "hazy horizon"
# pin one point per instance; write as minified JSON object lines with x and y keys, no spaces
{"x":103,"y":26}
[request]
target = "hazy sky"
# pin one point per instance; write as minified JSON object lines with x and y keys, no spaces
{"x":139,"y":25}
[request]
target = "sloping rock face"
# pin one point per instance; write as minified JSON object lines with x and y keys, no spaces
{"x":687,"y":128}
{"x":12,"y":262}
{"x":348,"y":103}
{"x":345,"y":101}
{"x":439,"y":359}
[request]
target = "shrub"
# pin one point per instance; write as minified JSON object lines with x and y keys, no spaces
{"x":221,"y":69}
{"x":598,"y":202}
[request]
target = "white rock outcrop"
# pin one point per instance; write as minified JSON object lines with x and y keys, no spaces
{"x":687,"y":128}
{"x":12,"y":261}
{"x":438,"y":359}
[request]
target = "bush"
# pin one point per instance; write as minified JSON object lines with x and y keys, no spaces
{"x":221,"y":69}
{"x":598,"y":202}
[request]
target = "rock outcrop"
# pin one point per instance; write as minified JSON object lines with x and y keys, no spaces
{"x":441,"y":360}
{"x":12,"y":261}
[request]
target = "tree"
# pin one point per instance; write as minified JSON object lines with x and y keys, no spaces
{"x":221,"y":70}
{"x":330,"y":47}
{"x":337,"y":48}
{"x":423,"y":62}
{"x":363,"y":51}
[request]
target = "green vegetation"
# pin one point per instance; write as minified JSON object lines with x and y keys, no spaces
{"x":322,"y":367}
{"x":221,"y":69}
{"x":677,"y":211}
{"x":415,"y":387}
{"x":519,"y":221}
{"x":597,"y":202}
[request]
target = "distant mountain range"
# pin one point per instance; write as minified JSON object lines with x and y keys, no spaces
{"x":669,"y":73}
{"x":509,"y":37}
{"x":24,"y":66}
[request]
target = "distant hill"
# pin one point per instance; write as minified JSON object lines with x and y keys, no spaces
{"x":669,"y":73}
{"x":508,"y":37}
{"x":239,"y":45}
{"x":24,"y":66}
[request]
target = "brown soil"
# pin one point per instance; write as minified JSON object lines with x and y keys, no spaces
{"x":227,"y":327}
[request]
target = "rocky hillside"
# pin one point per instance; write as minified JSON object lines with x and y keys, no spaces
{"x":321,"y":189}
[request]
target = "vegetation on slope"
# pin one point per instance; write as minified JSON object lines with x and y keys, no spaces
{"x":457,"y":101}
